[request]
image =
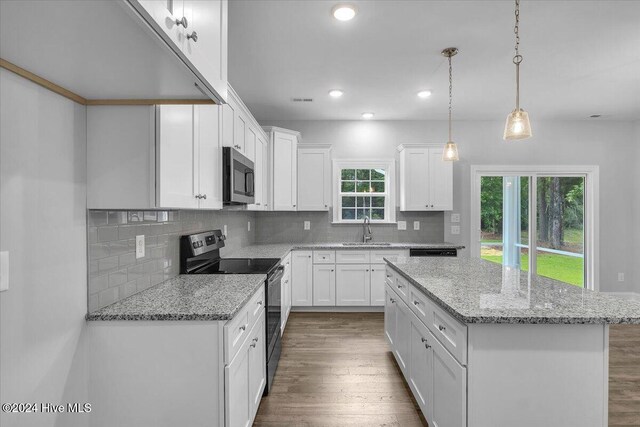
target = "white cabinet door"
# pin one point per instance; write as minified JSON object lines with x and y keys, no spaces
{"x":166,"y":14}
{"x":240,"y":123}
{"x":324,"y":285}
{"x":206,"y":127}
{"x":236,"y":393}
{"x":250,"y":143}
{"x":229,"y":112}
{"x":403,"y":335}
{"x":353,"y":284}
{"x":176,"y":184}
{"x":421,"y":367}
{"x":390,"y":308}
{"x":258,"y":170}
{"x":313,"y":179}
{"x":265,"y":174}
{"x":449,"y":389}
{"x":414,"y":179}
{"x":205,"y":40}
{"x":257,"y":366}
{"x":378,"y":282}
{"x":284,"y":172}
{"x":440,"y":182}
{"x":301,"y":278}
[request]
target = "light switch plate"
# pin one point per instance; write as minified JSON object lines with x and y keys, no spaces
{"x":140,"y":246}
{"x":402,"y":225}
{"x":307,"y":225}
{"x":455,"y":217}
{"x":416,"y":225}
{"x":455,"y":229}
{"x":4,"y":271}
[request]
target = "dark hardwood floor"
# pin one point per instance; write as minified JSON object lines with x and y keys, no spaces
{"x":336,"y":370}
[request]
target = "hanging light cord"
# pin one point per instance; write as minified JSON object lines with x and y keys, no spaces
{"x":450,"y":95}
{"x":517,"y":59}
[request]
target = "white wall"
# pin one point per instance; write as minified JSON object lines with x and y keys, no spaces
{"x":43,"y":226}
{"x":480,"y":142}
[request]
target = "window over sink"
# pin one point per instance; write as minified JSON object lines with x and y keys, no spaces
{"x":364,"y":189}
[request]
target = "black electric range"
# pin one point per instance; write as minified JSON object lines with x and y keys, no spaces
{"x":200,"y":254}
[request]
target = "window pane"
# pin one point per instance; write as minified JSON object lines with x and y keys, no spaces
{"x":363,"y":174}
{"x":348,"y":202}
{"x":362,"y":187}
{"x":378,"y":187}
{"x":364,"y":202}
{"x":348,"y":174}
{"x":377,"y":213}
{"x":348,"y":213}
{"x":348,"y":186}
{"x":377,"y":202}
{"x":378,"y":174}
{"x":362,"y":213}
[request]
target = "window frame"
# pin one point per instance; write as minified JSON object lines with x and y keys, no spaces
{"x":390,"y":188}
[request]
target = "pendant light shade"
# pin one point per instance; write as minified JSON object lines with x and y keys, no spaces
{"x":450,"y":153}
{"x":517,"y":126}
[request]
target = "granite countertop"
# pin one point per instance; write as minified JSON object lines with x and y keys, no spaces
{"x":280,"y":250}
{"x":186,"y":297}
{"x":479,"y":291}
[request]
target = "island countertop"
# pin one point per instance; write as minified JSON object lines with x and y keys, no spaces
{"x":186,"y":297}
{"x":478,"y":291}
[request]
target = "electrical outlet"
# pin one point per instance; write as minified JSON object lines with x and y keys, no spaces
{"x":224,"y":230}
{"x":248,"y":225}
{"x":455,"y":229}
{"x":455,"y":217}
{"x":402,"y":225}
{"x":620,"y":277}
{"x":307,"y":225}
{"x":4,"y":271}
{"x":416,"y":225}
{"x":140,"y":246}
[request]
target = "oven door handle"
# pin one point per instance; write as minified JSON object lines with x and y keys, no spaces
{"x":277,"y":275}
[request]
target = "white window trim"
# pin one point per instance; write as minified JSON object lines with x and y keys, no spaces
{"x":591,"y":200}
{"x":390,"y":185}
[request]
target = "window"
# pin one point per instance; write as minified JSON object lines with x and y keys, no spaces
{"x":363,"y":189}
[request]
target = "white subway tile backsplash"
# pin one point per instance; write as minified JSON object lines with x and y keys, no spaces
{"x":106,"y":265}
{"x":107,"y":234}
{"x":117,"y":278}
{"x":108,"y":296}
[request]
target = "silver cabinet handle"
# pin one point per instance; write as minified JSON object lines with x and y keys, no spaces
{"x":197,"y":196}
{"x":392,"y":300}
{"x":424,"y":339}
{"x":294,"y":206}
{"x":326,"y":206}
{"x":204,"y":196}
{"x":332,"y":271}
{"x":193,"y":36}
{"x":253,"y":344}
{"x":442,"y":328}
{"x":259,"y":303}
{"x":243,"y":327}
{"x":416,"y":302}
{"x":182,"y":22}
{"x":427,"y":346}
{"x":400,"y":286}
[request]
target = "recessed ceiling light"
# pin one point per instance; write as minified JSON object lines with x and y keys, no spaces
{"x":367,"y":116}
{"x":343,"y":12}
{"x":336,"y":93}
{"x":424,"y":94}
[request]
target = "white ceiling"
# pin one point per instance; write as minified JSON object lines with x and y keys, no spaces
{"x":580,"y":58}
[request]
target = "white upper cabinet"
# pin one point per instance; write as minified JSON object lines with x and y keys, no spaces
{"x":141,"y":157}
{"x":314,"y":177}
{"x":426,"y":181}
{"x":197,"y":31}
{"x":283,"y":177}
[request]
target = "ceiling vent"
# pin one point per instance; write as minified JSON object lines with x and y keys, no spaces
{"x":302,"y":99}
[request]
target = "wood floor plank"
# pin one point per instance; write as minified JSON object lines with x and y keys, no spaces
{"x":336,"y":370}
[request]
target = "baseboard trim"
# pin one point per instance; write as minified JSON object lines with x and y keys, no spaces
{"x":345,"y":309}
{"x":633,"y":296}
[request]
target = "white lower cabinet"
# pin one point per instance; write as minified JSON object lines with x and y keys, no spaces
{"x":301,"y":278}
{"x":378,"y":276}
{"x":390,"y":307}
{"x":353,"y":284}
{"x":403,"y":335}
{"x":421,"y":368}
{"x":324,"y":285}
{"x":449,"y":389}
{"x":285,"y":289}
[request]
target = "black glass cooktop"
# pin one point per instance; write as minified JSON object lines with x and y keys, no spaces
{"x":240,"y":266}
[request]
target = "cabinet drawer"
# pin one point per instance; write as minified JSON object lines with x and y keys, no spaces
{"x":237,"y":329}
{"x":402,"y":288}
{"x":352,"y":257}
{"x":377,"y":256}
{"x":420,"y":305}
{"x":450,"y":332}
{"x":324,"y":257}
{"x":390,"y":278}
{"x":286,"y":263}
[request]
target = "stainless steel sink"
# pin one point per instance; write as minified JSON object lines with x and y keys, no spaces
{"x":366,"y":244}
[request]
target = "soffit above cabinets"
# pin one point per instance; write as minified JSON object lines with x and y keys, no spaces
{"x":99,"y":50}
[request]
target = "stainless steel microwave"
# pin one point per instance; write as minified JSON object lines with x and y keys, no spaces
{"x":238,"y":178}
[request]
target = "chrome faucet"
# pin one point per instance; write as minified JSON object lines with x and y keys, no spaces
{"x":366,"y":230}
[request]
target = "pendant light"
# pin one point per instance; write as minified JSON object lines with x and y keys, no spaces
{"x":450,"y":153}
{"x":517,"y":125}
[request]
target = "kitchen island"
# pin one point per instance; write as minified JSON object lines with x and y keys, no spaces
{"x":485,"y":345}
